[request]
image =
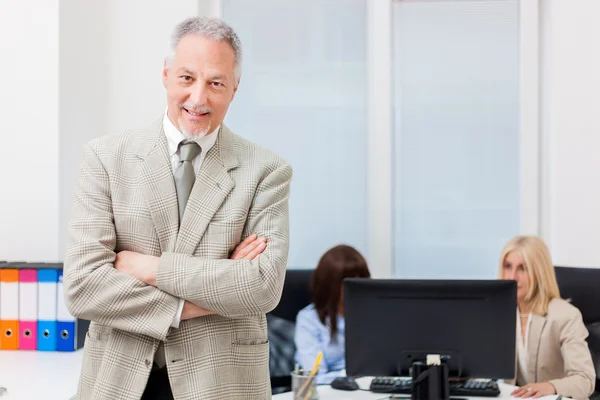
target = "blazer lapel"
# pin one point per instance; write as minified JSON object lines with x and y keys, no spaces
{"x":533,"y":345}
{"x":212,"y":186}
{"x":158,"y":187}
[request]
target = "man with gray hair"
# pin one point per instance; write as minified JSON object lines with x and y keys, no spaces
{"x":178,"y":241}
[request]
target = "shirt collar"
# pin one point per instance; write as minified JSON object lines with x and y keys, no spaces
{"x":174,"y":137}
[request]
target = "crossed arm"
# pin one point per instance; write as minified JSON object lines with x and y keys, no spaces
{"x":144,"y":268}
{"x":131,"y":292}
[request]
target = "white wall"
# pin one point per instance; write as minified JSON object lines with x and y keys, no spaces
{"x":83,"y":94}
{"x":29,"y":138}
{"x":138,"y":37}
{"x":571,"y":131}
{"x":109,"y":79}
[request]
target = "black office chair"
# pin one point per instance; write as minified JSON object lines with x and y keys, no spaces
{"x":581,"y":286}
{"x":281,"y":324}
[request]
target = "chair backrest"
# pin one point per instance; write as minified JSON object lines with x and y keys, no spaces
{"x":582,"y":287}
{"x":295,"y":295}
{"x":281,"y":323}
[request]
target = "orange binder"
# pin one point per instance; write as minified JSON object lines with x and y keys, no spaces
{"x":9,"y":308}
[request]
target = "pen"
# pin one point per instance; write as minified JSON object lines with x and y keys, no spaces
{"x":311,"y":376}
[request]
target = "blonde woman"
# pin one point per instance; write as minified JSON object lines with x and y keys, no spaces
{"x":552,"y":353}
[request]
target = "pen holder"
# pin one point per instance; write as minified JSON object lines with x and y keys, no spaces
{"x":304,"y":386}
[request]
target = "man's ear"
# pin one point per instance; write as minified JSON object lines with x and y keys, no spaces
{"x":235,"y":88}
{"x":165,"y":73}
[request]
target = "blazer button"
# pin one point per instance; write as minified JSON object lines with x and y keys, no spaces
{"x":148,"y":363}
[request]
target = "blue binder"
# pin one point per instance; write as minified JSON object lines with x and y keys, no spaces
{"x":66,"y":325}
{"x":47,"y":325}
{"x":65,"y":340}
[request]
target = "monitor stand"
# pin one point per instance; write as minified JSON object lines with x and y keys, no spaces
{"x":430,"y":382}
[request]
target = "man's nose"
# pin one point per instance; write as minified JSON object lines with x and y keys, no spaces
{"x":199,"y":94}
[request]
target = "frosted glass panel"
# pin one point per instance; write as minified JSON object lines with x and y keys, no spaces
{"x":456,"y":151}
{"x":303,"y":95}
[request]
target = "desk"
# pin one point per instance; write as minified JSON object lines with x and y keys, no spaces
{"x":54,"y":376}
{"x":326,"y":393}
{"x":39,"y":375}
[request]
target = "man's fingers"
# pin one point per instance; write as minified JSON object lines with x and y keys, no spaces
{"x":262,"y":245}
{"x":250,"y":248}
{"x":247,"y":249}
{"x":247,"y":241}
{"x":236,"y":252}
{"x":246,"y":252}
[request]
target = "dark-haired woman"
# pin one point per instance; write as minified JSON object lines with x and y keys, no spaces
{"x":320,"y":325}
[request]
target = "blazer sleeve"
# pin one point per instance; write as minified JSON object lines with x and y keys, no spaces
{"x":94,"y":289}
{"x":238,"y":288}
{"x":580,"y":375}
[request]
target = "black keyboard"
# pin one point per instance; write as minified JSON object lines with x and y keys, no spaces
{"x":479,"y":388}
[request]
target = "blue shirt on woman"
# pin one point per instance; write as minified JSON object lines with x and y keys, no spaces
{"x":312,"y":336}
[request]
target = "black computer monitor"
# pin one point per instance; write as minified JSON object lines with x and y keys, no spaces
{"x":392,"y":323}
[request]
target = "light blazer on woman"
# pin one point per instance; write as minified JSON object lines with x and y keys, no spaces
{"x":558,"y":352}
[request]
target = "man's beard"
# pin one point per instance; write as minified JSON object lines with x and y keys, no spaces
{"x":200,"y":110}
{"x":195,"y":134}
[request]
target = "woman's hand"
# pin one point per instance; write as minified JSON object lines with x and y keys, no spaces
{"x":534,"y":390}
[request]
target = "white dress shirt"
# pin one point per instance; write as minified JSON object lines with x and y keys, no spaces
{"x":522,"y":346}
{"x":174,"y":137}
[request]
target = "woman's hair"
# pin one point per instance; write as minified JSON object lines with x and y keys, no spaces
{"x":326,"y":284}
{"x":539,"y":268}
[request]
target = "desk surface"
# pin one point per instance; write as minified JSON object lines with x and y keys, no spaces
{"x":56,"y":376}
{"x":326,"y":393}
{"x":39,"y":375}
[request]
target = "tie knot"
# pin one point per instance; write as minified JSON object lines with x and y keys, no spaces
{"x":188,"y":151}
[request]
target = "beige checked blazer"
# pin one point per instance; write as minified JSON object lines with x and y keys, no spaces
{"x":558,"y":352}
{"x":125,"y":199}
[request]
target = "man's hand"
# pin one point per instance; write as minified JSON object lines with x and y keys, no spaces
{"x":144,"y":268}
{"x":140,"y":266}
{"x":534,"y":390}
{"x":190,"y":310}
{"x":250,"y":248}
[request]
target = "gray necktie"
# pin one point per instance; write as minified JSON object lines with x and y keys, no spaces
{"x":184,"y":181}
{"x":184,"y":174}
